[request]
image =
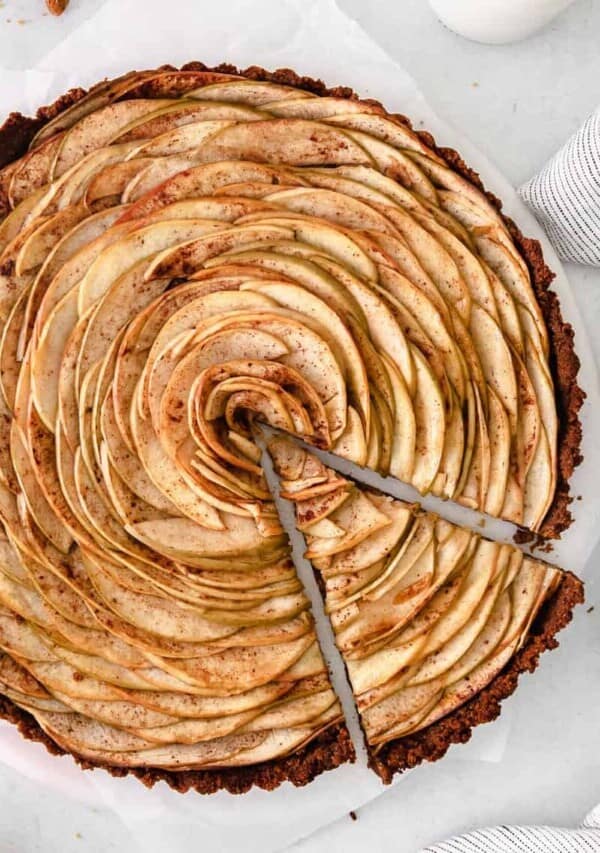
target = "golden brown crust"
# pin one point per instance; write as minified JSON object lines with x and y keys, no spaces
{"x":333,"y":747}
{"x":432,"y":743}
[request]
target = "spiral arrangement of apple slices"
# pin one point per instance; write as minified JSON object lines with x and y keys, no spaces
{"x":172,"y":269}
{"x":425,"y":613}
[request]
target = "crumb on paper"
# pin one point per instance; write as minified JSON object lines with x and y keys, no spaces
{"x":475,"y":84}
{"x":590,"y":609}
{"x":78,"y":835}
{"x":481,"y":523}
{"x":523,"y":536}
{"x":353,"y":816}
{"x":538,"y":543}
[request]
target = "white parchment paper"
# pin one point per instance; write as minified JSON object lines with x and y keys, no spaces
{"x":315,"y":38}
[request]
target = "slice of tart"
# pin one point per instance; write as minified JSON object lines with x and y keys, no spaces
{"x":433,"y":621}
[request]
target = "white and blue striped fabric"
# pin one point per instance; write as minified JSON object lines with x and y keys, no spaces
{"x":565,"y":196}
{"x":526,"y":839}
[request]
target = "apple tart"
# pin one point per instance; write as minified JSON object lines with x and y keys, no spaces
{"x":187,"y":253}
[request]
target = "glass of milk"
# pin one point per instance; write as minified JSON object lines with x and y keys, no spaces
{"x":497,"y":21}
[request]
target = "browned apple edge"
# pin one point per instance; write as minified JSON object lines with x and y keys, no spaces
{"x":333,"y":746}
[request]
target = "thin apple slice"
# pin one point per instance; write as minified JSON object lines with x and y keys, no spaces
{"x":495,"y":357}
{"x":155,"y":614}
{"x":181,"y":113}
{"x":40,"y":243}
{"x":287,"y":141}
{"x":352,"y":444}
{"x":431,"y":321}
{"x":162,"y":183}
{"x":539,"y":485}
{"x":430,"y":426}
{"x":403,"y":451}
{"x":357,"y":515}
{"x":513,"y":273}
{"x":466,"y":688}
{"x":33,"y":171}
{"x":399,"y":707}
{"x":378,"y":545}
{"x":97,"y":97}
{"x":125,"y":253}
{"x":40,"y":509}
{"x":234,"y":670}
{"x":500,"y":443}
{"x":255,"y":92}
{"x":378,"y":668}
{"x":472,"y":591}
{"x":370,"y":120}
{"x":440,"y":661}
{"x":98,"y":128}
{"x":486,"y":642}
{"x":326,"y":321}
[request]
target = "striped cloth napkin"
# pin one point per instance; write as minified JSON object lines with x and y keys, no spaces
{"x":565,"y":196}
{"x":526,"y":839}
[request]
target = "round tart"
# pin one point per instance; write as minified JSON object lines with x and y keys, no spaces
{"x":185,"y":253}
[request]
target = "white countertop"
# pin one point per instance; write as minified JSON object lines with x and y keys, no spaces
{"x":519,"y":103}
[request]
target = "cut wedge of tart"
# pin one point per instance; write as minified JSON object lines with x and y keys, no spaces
{"x":433,"y":621}
{"x":184,"y":253}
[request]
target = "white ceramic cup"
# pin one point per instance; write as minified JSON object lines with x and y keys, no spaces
{"x":497,"y":21}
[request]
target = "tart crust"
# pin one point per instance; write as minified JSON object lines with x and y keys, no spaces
{"x":333,"y":746}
